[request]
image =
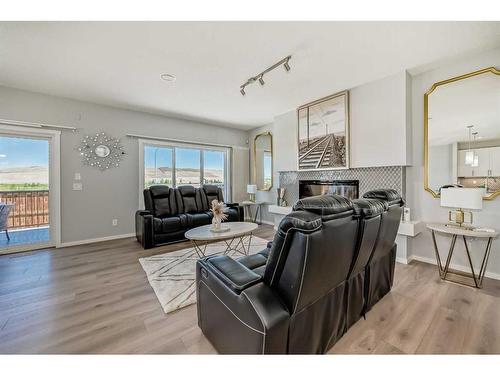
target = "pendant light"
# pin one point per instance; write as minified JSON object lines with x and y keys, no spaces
{"x":469,"y":154}
{"x":475,"y":162}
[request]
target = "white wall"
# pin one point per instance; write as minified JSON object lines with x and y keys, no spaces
{"x":285,"y":151}
{"x":423,"y":205}
{"x":379,"y":127}
{"x":441,"y":164}
{"x":114,"y":193}
{"x":379,"y":131}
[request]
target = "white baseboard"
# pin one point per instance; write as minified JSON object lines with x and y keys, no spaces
{"x":93,"y":240}
{"x":403,"y":260}
{"x":457,"y":267}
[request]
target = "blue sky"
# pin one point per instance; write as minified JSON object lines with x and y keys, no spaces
{"x":186,"y":158}
{"x":23,"y":152}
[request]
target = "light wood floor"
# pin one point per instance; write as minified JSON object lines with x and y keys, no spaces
{"x":96,"y":299}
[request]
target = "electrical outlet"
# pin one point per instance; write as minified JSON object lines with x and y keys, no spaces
{"x":114,"y":222}
{"x":77,"y":186}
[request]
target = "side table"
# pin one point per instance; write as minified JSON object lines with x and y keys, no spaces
{"x":258,"y":210}
{"x":444,"y":272}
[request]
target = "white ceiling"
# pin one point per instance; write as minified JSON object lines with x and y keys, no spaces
{"x":120,"y":63}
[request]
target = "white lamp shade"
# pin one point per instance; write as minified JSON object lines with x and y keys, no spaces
{"x":469,"y":157}
{"x":251,"y":189}
{"x":468,"y":198}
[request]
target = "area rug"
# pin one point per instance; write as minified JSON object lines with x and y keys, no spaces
{"x":172,"y":275}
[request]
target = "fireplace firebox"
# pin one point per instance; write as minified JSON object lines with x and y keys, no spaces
{"x":346,"y":188}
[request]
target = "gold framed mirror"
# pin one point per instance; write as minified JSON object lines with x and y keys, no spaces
{"x":263,"y":161}
{"x":462,"y":133}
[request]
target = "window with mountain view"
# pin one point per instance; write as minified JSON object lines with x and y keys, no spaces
{"x":187,"y":167}
{"x":214,"y":167}
{"x":158,"y":165}
{"x":180,"y":165}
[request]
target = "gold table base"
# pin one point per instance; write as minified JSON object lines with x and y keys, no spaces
{"x":200,"y":246}
{"x":458,"y":277}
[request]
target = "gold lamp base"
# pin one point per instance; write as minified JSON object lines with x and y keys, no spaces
{"x":459,"y":217}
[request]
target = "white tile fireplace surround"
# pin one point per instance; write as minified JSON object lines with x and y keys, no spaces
{"x":393,"y":177}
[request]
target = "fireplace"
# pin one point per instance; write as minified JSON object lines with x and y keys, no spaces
{"x":346,"y":188}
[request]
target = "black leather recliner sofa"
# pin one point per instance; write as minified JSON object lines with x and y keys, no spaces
{"x":170,"y":212}
{"x":330,"y":261}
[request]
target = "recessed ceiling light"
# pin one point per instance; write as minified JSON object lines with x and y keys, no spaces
{"x":168,"y":77}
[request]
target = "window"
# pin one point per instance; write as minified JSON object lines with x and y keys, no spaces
{"x":214,"y":168}
{"x":187,"y":167}
{"x":179,"y":164}
{"x":157,"y":165}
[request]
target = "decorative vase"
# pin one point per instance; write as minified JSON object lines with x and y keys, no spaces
{"x":216,"y":224}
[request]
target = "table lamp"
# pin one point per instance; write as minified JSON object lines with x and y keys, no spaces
{"x":460,"y":199}
{"x":252,"y":190}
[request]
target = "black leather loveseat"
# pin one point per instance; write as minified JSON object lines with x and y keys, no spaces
{"x":330,"y":261}
{"x":170,"y":212}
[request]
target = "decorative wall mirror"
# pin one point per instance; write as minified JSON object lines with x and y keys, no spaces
{"x":101,"y":151}
{"x":462,"y":133}
{"x":263,"y":161}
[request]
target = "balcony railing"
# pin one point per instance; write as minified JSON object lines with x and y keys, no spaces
{"x":30,"y":208}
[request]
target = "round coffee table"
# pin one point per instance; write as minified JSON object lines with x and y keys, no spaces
{"x":202,"y":236}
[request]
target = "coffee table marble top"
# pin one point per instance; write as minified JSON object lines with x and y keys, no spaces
{"x":204,"y":233}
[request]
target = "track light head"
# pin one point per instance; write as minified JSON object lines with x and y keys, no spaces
{"x":260,"y":77}
{"x":286,"y":65}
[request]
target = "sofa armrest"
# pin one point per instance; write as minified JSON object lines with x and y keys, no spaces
{"x":232,"y":273}
{"x":144,"y":228}
{"x":237,"y":207}
{"x":254,"y":321}
{"x":273,"y":315}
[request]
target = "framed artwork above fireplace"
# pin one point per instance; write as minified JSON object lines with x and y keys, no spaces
{"x":323,"y":133}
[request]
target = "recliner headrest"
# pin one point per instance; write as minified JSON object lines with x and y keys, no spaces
{"x":327,"y":206}
{"x":211,"y":189}
{"x":369,"y":207}
{"x":300,"y":220}
{"x":187,"y":190}
{"x":391,"y":196}
{"x":159,"y":191}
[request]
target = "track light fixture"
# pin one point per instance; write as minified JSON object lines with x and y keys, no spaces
{"x":260,"y":77}
{"x":286,"y":65}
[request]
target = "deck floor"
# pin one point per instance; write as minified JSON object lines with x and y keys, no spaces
{"x":24,"y":237}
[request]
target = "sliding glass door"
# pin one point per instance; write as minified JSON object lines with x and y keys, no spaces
{"x":180,"y":164}
{"x":25,"y":192}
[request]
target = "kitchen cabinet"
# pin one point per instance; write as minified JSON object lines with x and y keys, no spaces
{"x":495,"y":162}
{"x":488,"y":163}
{"x":463,"y":170}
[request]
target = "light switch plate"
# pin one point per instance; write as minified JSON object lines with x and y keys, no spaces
{"x":78,"y":177}
{"x":77,"y":186}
